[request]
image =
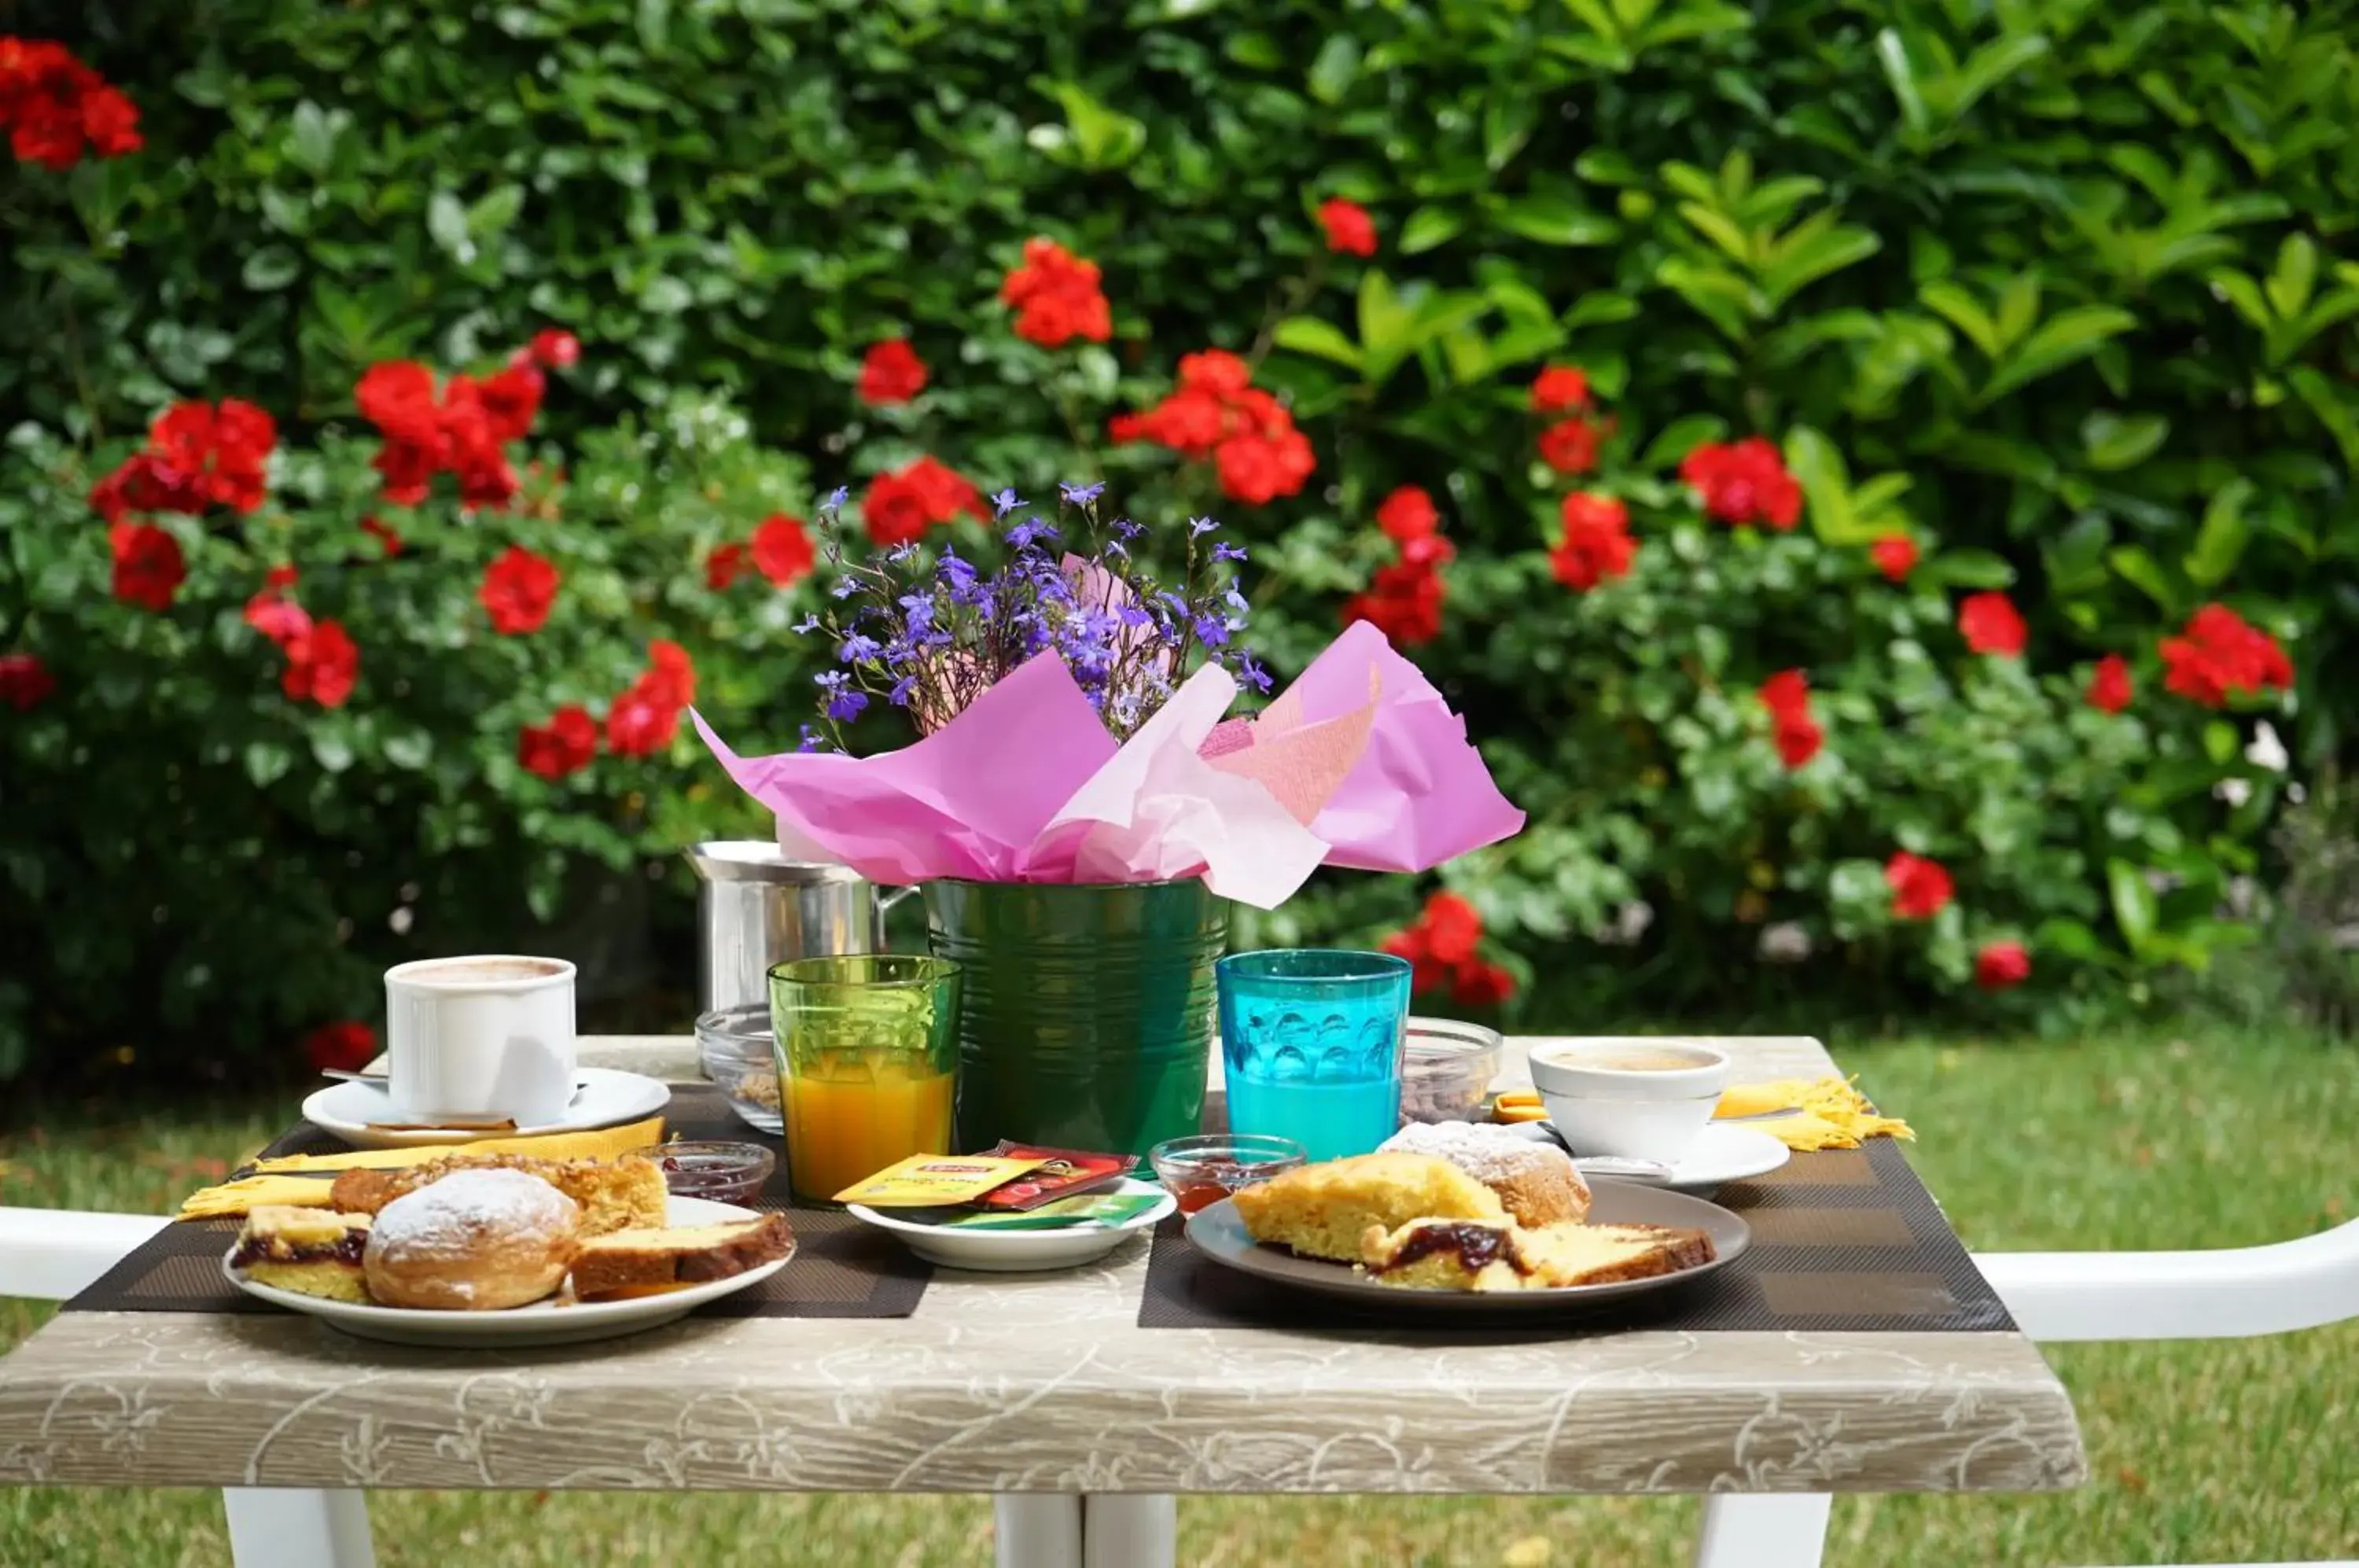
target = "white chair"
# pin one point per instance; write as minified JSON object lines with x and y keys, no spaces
{"x":48,"y":1255}
{"x":2227,"y":1293}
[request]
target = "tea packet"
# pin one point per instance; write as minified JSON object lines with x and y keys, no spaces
{"x":936,"y":1181}
{"x":1107,"y":1209}
{"x":1058,"y":1173}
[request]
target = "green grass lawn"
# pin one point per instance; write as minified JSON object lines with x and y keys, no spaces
{"x":2217,"y":1452}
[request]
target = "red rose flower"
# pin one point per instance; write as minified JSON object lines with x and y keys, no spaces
{"x":892,"y":372}
{"x":1407,"y":514}
{"x":1426,"y":973}
{"x":25,"y":681}
{"x":782,"y":549}
{"x":272,"y":613}
{"x":1895,"y":555}
{"x":1788,"y":691}
{"x":564,"y":744}
{"x":407,"y":468}
{"x":1744,"y":483}
{"x":1404,"y":602}
{"x":397,"y":395}
{"x":2001,"y":965}
{"x":1570,"y":446}
{"x":2109,"y":684}
{"x":518,"y":591}
{"x":1596,"y":547}
{"x":511,"y":400}
{"x":1786,"y":695}
{"x":556,"y":348}
{"x":671,"y":674}
{"x":345,"y":1047}
{"x":902,"y":504}
{"x":1481,"y":984}
{"x":1452,"y":928}
{"x":321,"y":664}
{"x":383,"y":535}
{"x":1558,"y":388}
{"x":2219,"y":654}
{"x":1350,"y":230}
{"x":638,"y":725}
{"x":148,"y":567}
{"x":51,"y":103}
{"x":1990,"y":623}
{"x":1257,"y":470}
{"x":724,"y":565}
{"x":1430,"y":551}
{"x":1056,"y":295}
{"x":1214,"y":370}
{"x":1920,"y":889}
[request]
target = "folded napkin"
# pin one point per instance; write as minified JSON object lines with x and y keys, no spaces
{"x":301,"y":1180}
{"x":1829,"y":1112}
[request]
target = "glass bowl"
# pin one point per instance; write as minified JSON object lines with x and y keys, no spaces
{"x":1446,"y":1069}
{"x":722,"y":1172}
{"x":1201,"y":1171}
{"x":735,"y":1048}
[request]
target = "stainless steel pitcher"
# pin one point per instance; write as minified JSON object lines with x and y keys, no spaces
{"x":759,"y":907}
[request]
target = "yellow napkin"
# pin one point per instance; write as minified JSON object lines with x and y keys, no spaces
{"x":296,"y":1179}
{"x":1831,"y":1114}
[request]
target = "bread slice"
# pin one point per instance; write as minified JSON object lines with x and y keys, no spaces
{"x":309,"y":1251}
{"x":615,"y":1194}
{"x":1447,"y":1255}
{"x":1564,"y":1254}
{"x":645,"y":1258}
{"x":1324,"y":1210}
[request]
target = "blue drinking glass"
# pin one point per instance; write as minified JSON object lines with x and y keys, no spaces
{"x":1310,"y":1046}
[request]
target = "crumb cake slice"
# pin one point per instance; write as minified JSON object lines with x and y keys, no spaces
{"x":1474,"y":1254}
{"x":639,"y":1260}
{"x":1325,"y":1211}
{"x":309,"y":1251}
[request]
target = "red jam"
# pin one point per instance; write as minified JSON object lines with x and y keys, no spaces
{"x":719,"y":1174}
{"x":1196,"y":1195}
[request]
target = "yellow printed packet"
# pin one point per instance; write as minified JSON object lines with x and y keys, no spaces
{"x":935,"y":1180}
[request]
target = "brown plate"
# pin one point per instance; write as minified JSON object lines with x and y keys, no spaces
{"x":1219,"y":1235}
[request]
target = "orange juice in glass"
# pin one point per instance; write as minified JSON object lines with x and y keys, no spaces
{"x":867,"y":1054}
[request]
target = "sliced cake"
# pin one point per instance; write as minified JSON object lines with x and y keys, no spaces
{"x":1563,"y":1254}
{"x":1325,"y":1211}
{"x":644,"y":1259}
{"x":311,"y":1251}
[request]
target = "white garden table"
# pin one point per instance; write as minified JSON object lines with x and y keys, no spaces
{"x":1043,"y":1390}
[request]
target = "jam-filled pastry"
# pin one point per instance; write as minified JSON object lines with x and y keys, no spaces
{"x":309,"y":1251}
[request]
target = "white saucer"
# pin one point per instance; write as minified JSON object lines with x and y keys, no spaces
{"x":1720,"y":1153}
{"x":606,"y":1097}
{"x":543,"y":1322}
{"x":1019,"y":1251}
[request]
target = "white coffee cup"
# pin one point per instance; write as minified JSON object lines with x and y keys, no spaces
{"x":1633,"y":1097}
{"x":482,"y":1037}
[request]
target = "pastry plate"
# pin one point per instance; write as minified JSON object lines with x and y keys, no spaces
{"x":543,"y":1322}
{"x":1019,"y":1251}
{"x":1219,"y":1233}
{"x":1720,"y":1153}
{"x":605,"y":1097}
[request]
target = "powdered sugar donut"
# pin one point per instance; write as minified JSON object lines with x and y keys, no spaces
{"x":475,"y":1241}
{"x":1538,"y":1182}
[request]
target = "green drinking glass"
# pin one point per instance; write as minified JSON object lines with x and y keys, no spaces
{"x":867,"y":1054}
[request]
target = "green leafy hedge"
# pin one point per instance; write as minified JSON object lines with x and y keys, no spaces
{"x":2057,"y":289}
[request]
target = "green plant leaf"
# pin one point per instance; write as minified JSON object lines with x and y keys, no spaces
{"x":311,"y":138}
{"x":2136,"y":907}
{"x":1335,"y":67}
{"x":2066,"y":337}
{"x":1680,"y":437}
{"x":2114,"y":441}
{"x":2219,"y":542}
{"x":1813,"y":249}
{"x":446,"y":221}
{"x":1555,"y":220}
{"x":1958,"y":307}
{"x":1429,"y":226}
{"x":1324,"y":340}
{"x":2133,"y":566}
{"x":1977,"y":569}
{"x":272,"y":266}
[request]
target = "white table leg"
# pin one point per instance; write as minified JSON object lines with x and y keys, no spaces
{"x":270,"y":1527}
{"x":1772,"y":1530}
{"x":1037,"y":1529}
{"x":1127,"y":1531}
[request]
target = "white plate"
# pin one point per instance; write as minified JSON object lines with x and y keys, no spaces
{"x":606,"y":1097}
{"x":543,"y":1322}
{"x":1018,"y":1251}
{"x":1720,"y":1153}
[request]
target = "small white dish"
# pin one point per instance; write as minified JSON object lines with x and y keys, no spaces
{"x":1720,"y":1153}
{"x":1635,"y":1097}
{"x":356,"y":1112}
{"x":1019,"y":1251}
{"x":518,"y":1328}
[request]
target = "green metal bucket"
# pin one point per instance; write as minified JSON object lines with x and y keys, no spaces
{"x":1087,"y":1018}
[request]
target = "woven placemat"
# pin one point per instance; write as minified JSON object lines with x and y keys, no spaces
{"x":1843,"y":1240}
{"x":842,"y":1268}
